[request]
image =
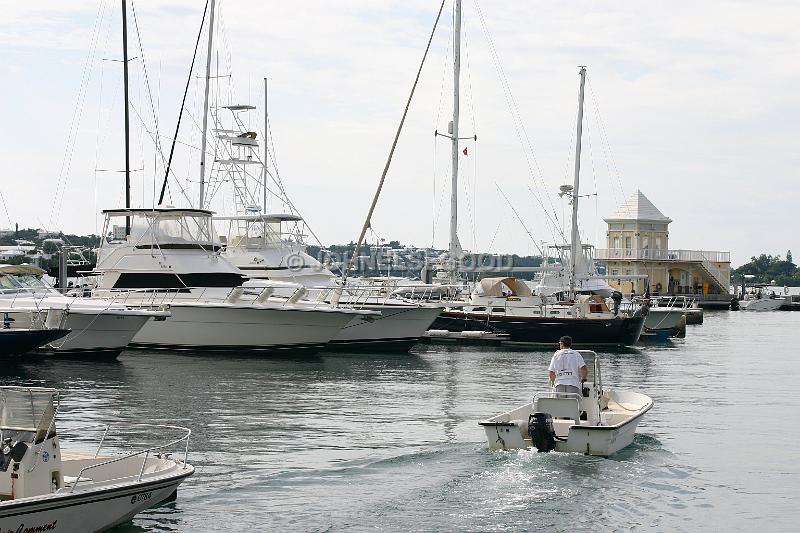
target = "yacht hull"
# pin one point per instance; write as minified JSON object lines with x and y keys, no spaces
{"x":229,"y":327}
{"x":763,"y":304}
{"x":93,"y":333}
{"x":19,"y":341}
{"x":590,"y":440}
{"x":544,"y":330}
{"x":660,"y":318}
{"x":397,"y":329}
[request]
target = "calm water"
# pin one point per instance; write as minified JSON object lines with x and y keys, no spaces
{"x":342,"y":442}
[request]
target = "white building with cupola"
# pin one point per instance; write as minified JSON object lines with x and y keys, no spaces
{"x":639,"y":253}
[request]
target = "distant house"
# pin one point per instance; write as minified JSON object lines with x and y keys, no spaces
{"x":44,"y":233}
{"x":638,"y":248}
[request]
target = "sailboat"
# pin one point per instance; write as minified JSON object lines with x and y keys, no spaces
{"x":508,"y":305}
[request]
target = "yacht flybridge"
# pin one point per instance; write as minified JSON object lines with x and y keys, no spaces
{"x":171,"y":258}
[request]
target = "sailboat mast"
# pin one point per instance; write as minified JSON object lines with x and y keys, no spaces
{"x":454,"y":246}
{"x":266,"y":146}
{"x":576,"y":247}
{"x":205,"y":108}
{"x":127,"y":117}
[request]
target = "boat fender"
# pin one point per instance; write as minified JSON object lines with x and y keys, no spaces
{"x":540,"y":429}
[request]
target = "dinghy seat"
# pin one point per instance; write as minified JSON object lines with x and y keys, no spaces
{"x":559,"y":407}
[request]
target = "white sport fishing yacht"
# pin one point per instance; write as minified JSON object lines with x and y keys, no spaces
{"x":44,"y":487}
{"x":171,"y":258}
{"x":262,"y":248}
{"x":99,"y":328}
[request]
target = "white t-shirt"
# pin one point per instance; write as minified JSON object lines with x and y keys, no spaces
{"x":567,"y":364}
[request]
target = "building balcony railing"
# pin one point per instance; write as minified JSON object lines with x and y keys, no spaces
{"x":630,"y":254}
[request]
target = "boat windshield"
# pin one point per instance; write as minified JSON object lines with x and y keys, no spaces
{"x":28,"y":409}
{"x":173,"y":230}
{"x":23,"y":283}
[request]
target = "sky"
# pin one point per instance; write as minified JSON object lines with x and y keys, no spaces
{"x":693,"y":103}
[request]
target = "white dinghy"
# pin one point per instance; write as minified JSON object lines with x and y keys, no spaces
{"x":43,"y":488}
{"x":598,"y":422}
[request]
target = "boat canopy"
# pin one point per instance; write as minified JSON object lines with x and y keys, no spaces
{"x":502,"y":287}
{"x":169,"y":227}
{"x":28,"y":409}
{"x":25,"y":270}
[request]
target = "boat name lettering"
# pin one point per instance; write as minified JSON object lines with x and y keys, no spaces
{"x":141,"y":497}
{"x":34,"y":529}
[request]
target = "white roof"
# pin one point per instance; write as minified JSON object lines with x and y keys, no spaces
{"x":638,"y":207}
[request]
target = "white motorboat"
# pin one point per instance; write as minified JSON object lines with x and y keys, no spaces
{"x":761,"y":301}
{"x":171,"y":258}
{"x":97,"y":327}
{"x":601,"y":421}
{"x":259,"y":246}
{"x":46,"y":488}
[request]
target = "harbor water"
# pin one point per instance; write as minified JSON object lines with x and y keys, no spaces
{"x":392,"y":442}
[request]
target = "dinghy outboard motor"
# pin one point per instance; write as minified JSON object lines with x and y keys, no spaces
{"x":540,"y":428}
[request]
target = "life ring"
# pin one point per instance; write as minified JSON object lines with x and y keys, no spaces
{"x":658,"y":287}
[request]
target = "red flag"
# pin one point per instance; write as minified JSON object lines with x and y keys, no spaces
{"x":465,"y":151}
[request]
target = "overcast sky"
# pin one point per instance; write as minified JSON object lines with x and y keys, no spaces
{"x":694,"y":103}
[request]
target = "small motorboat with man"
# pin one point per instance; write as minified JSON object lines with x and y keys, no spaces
{"x":597,"y":421}
{"x":46,"y":488}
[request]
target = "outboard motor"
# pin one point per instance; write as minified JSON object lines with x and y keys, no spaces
{"x":10,"y":453}
{"x":540,"y":428}
{"x":616,"y":297}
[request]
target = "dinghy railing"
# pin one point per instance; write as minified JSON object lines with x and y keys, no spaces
{"x":147,"y":451}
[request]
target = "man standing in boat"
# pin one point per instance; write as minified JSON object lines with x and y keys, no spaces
{"x":567,"y":368}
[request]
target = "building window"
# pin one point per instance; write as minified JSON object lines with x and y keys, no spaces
{"x":658,"y":243}
{"x":615,"y":243}
{"x":628,"y":272}
{"x":645,"y":242}
{"x":628,"y":226}
{"x":615,"y":272}
{"x":615,"y":226}
{"x":628,"y":243}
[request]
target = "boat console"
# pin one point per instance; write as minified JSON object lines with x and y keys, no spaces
{"x":30,"y":455}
